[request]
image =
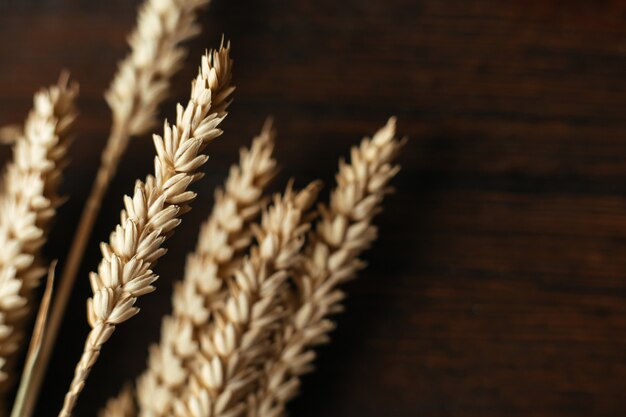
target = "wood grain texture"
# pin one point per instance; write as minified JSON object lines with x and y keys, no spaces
{"x":498,"y":284}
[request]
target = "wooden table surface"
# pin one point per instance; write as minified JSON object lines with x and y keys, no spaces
{"x":497,"y":286}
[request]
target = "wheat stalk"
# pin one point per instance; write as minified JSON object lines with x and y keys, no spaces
{"x":139,"y":87}
{"x":223,"y":239}
{"x":233,"y":347}
{"x":331,"y":258}
{"x":152,"y":213}
{"x":28,"y":202}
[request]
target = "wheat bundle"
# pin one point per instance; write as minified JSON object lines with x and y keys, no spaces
{"x":236,"y":343}
{"x":331,"y":258}
{"x":222,"y":241}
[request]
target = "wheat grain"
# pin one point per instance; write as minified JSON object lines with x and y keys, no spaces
{"x":233,"y":347}
{"x":223,"y":239}
{"x":9,"y":134}
{"x":28,"y":202}
{"x":152,"y":214}
{"x":331,"y":257}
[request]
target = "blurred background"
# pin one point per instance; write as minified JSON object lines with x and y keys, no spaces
{"x":497,"y":286}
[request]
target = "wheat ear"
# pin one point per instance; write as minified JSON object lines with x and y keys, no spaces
{"x":139,"y":87}
{"x":344,"y":230}
{"x":152,"y":214}
{"x":28,"y":202}
{"x":222,"y":241}
{"x":234,"y":346}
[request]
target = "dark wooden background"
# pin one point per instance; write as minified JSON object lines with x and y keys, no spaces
{"x":498,"y":284}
